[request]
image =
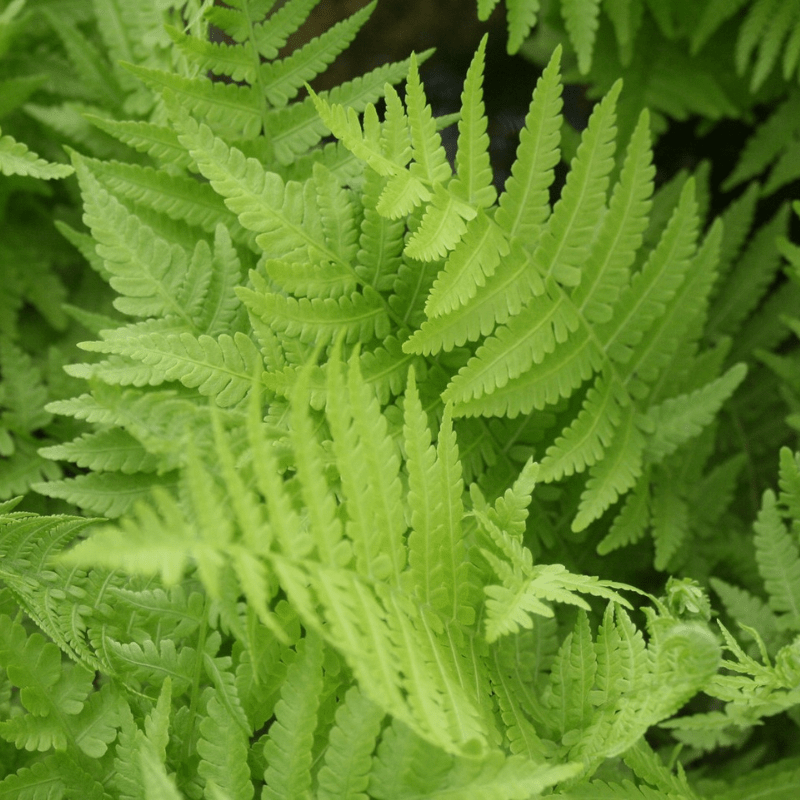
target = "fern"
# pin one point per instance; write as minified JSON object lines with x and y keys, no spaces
{"x":366,"y":428}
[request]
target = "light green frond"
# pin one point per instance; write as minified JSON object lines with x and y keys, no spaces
{"x":564,"y":244}
{"x":380,"y":239}
{"x":620,"y":235}
{"x":442,"y":226}
{"x":146,"y":270}
{"x":180,"y":198}
{"x":521,"y":16}
{"x":230,"y":109}
{"x":373,"y":467}
{"x":581,"y":19}
{"x":324,"y":524}
{"x":614,"y":475}
{"x":296,"y":128}
{"x":430,"y":160}
{"x":473,"y":182}
{"x":337,"y":214}
{"x":223,"y":748}
{"x":221,"y":368}
{"x":542,"y":324}
{"x":263,"y":202}
{"x":474,"y":259}
{"x":16,"y":159}
{"x":643,"y":301}
{"x":583,"y":443}
{"x":40,"y":781}
{"x":281,"y":80}
{"x":108,"y":493}
{"x":681,"y":418}
{"x":425,"y":501}
{"x":344,"y":774}
{"x":110,"y":450}
{"x":314,"y":281}
{"x":361,"y":316}
{"x":237,"y":62}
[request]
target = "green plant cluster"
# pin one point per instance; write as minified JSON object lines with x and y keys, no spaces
{"x":329,"y":470}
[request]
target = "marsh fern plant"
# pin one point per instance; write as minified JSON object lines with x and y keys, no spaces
{"x":348,"y":475}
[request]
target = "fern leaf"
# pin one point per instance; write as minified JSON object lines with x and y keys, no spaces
{"x":581,"y":19}
{"x":263,"y":203}
{"x":620,"y":234}
{"x":521,"y":17}
{"x":221,"y":368}
{"x":755,"y":270}
{"x":288,"y":748}
{"x":778,"y":560}
{"x":583,"y":443}
{"x":443,"y":224}
{"x":108,"y":450}
{"x":473,"y":182}
{"x":380,"y":239}
{"x":474,"y":259}
{"x":146,"y":270}
{"x":109,"y":494}
{"x":223,"y":748}
{"x":653,"y":287}
{"x":180,"y":198}
{"x":614,"y":475}
{"x":564,"y":245}
{"x":630,"y":524}
{"x":230,"y":109}
{"x":155,"y":781}
{"x":237,"y":62}
{"x":425,"y":501}
{"x":282,"y":79}
{"x":369,"y":467}
{"x":157,"y":141}
{"x":40,"y":780}
{"x":246,"y":21}
{"x":543,"y":323}
{"x":16,"y":159}
{"x":572,"y":678}
{"x":324,"y":524}
{"x":362,"y":316}
{"x":345,"y":772}
{"x":430,"y":161}
{"x":678,"y":419}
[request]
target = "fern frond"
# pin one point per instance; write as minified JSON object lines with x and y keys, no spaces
{"x":17,"y":159}
{"x":281,"y":80}
{"x":263,"y":202}
{"x":361,"y":315}
{"x":223,"y":748}
{"x":581,"y":20}
{"x":366,"y":457}
{"x":473,"y":181}
{"x":528,"y":337}
{"x":564,"y":245}
{"x":288,"y":748}
{"x":348,"y":756}
{"x":110,"y":450}
{"x":233,"y":110}
{"x":221,"y":368}
{"x":680,"y":418}
{"x":778,"y":560}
